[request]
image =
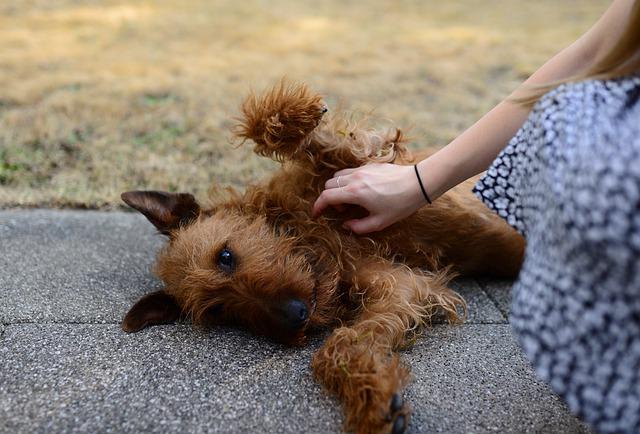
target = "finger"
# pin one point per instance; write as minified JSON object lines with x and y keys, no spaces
{"x":332,"y":197}
{"x":332,"y":183}
{"x":365,"y":225}
{"x":337,"y":183}
{"x":344,"y":172}
{"x":349,"y":171}
{"x":340,"y":207}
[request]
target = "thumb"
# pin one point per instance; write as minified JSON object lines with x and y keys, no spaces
{"x":365,"y":225}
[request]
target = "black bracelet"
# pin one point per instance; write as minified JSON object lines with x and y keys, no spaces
{"x":426,"y":196}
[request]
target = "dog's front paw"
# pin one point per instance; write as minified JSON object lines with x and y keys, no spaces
{"x":398,"y":415}
{"x":280,"y":120}
{"x":391,"y":416}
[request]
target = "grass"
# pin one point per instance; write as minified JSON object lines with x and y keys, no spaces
{"x":99,"y":97}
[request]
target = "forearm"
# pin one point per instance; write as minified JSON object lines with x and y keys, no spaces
{"x":472,"y":151}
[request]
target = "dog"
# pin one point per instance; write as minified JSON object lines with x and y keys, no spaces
{"x":259,"y":260}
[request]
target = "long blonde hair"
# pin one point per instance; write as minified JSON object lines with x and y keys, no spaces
{"x":618,"y":62}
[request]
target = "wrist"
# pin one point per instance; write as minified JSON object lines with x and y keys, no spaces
{"x":438,"y":173}
{"x":422,"y":189}
{"x":413,"y":198}
{"x":429,"y":179}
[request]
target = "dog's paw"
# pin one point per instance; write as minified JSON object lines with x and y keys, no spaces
{"x":398,"y":414}
{"x":279,"y":120}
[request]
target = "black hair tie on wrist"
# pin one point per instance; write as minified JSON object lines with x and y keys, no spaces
{"x":424,"y":192}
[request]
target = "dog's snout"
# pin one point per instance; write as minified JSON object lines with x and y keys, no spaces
{"x":296,"y":313}
{"x":324,"y":109}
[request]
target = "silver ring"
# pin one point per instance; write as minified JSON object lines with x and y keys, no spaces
{"x":338,"y":182}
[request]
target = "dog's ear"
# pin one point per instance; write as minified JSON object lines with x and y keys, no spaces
{"x":155,"y":308}
{"x":167,"y":211}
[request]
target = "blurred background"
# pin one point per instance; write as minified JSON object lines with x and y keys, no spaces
{"x":99,"y":97}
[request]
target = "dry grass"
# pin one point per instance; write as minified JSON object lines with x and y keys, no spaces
{"x":98,"y":97}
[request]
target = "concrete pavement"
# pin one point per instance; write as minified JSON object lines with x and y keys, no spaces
{"x":68,"y":277}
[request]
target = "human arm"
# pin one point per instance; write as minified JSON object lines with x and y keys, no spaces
{"x":391,"y":192}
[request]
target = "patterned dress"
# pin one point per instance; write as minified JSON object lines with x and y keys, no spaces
{"x":569,"y":181}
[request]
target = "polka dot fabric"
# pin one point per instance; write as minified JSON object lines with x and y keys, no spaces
{"x":570,"y":182}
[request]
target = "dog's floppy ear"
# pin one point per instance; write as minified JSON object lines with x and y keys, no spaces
{"x":155,"y":308}
{"x":167,"y":211}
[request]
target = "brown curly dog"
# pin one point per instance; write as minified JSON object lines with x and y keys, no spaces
{"x":259,"y":260}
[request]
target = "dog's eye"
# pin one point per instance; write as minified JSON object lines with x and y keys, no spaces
{"x":226,"y":261}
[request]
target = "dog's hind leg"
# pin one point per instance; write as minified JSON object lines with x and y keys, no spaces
{"x":340,"y":143}
{"x":358,"y":362}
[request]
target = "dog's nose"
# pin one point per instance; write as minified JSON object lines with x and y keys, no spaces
{"x":324,"y":109}
{"x":296,"y":313}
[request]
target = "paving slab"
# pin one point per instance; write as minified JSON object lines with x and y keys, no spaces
{"x":73,"y":266}
{"x":90,"y":267}
{"x":169,"y":379}
{"x":95,"y":378}
{"x":474,"y":378}
{"x":499,"y":291}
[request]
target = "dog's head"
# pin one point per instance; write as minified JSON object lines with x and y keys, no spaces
{"x":224,"y":267}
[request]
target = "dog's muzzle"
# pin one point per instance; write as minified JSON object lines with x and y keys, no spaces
{"x":296,"y":314}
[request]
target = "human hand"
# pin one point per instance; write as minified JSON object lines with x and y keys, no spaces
{"x":389,"y":192}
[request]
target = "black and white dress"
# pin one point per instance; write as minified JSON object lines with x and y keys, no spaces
{"x":569,"y":181}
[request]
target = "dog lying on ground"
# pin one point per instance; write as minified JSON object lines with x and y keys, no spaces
{"x":259,"y":260}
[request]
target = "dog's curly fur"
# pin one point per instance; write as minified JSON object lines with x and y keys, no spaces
{"x":258,"y":259}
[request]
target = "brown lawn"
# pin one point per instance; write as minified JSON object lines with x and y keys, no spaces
{"x":98,"y":97}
